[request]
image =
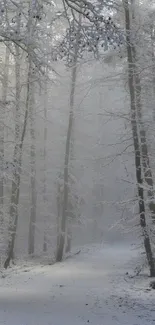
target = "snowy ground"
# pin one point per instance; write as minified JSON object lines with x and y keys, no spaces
{"x":88,"y":288}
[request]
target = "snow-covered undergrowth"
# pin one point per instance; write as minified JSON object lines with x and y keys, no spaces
{"x":91,"y":287}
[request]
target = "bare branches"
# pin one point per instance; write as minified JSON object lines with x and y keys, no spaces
{"x":98,"y":32}
{"x":11,"y":13}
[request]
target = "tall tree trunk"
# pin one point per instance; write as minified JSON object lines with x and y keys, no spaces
{"x":45,"y":157}
{"x":136,"y":141}
{"x":70,"y":206}
{"x":2,"y":119}
{"x":59,"y":213}
{"x":66,"y":171}
{"x":152,"y":32}
{"x":148,"y":176}
{"x":30,"y":91}
{"x":17,"y":161}
{"x":64,"y":218}
{"x":32,"y":222}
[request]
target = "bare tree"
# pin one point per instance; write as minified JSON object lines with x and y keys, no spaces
{"x":3,"y":109}
{"x":148,"y":176}
{"x":64,"y":219}
{"x":45,"y":158}
{"x":17,"y":161}
{"x":136,"y":141}
{"x":152,"y":39}
{"x":31,"y":241}
{"x":71,"y":206}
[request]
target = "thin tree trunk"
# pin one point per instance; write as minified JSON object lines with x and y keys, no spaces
{"x":64,"y":219}
{"x":17,"y":160}
{"x":136,"y":141}
{"x":70,"y":207}
{"x":66,"y":172}
{"x":59,"y":214}
{"x":153,"y":61}
{"x":45,"y":157}
{"x":2,"y":119}
{"x":69,"y":238}
{"x":32,"y":222}
{"x":30,"y":92}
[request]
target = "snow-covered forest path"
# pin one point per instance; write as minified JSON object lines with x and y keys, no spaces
{"x":88,"y":288}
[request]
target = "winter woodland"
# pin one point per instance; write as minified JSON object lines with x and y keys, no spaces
{"x":77,"y":130}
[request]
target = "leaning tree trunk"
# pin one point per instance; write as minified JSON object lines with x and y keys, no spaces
{"x":136,"y":141}
{"x":17,"y":161}
{"x":2,"y":120}
{"x":32,"y":222}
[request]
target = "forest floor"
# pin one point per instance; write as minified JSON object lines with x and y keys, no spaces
{"x":91,"y":287}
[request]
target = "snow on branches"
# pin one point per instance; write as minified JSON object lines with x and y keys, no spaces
{"x":23,"y":24}
{"x":95,"y":32}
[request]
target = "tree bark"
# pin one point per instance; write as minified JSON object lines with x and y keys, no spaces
{"x":71,"y":207}
{"x":3,"y":106}
{"x":152,"y":32}
{"x":69,"y":238}
{"x":45,"y":157}
{"x":59,"y":214}
{"x":64,"y":219}
{"x":144,"y":149}
{"x":31,"y":240}
{"x":148,"y":176}
{"x":17,"y":161}
{"x":136,"y":141}
{"x":66,"y":172}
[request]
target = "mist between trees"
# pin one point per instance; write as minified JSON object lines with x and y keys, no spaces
{"x":77,"y":112}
